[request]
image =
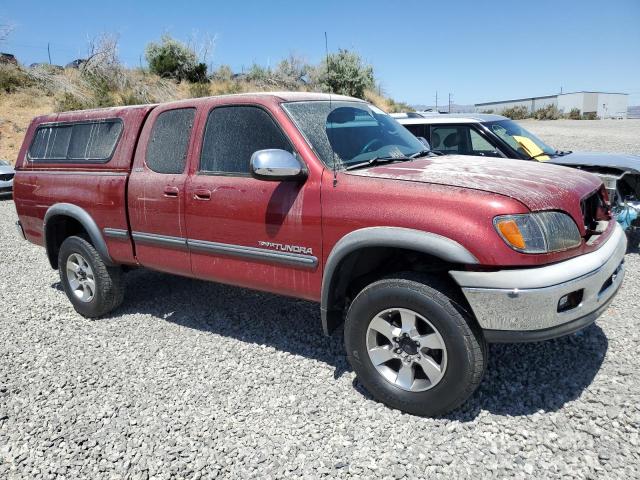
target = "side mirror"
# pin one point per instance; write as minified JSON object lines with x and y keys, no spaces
{"x":275,"y":164}
{"x":424,"y":142}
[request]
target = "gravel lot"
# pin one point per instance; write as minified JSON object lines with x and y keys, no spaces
{"x":591,"y":135}
{"x":196,"y":380}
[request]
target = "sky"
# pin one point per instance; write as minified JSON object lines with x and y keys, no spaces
{"x":477,"y":51}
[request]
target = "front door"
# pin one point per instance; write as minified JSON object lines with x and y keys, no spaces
{"x":249,"y":232}
{"x":156,"y":194}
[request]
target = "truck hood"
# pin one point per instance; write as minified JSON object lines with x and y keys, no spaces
{"x":538,"y":186}
{"x":626,"y":162}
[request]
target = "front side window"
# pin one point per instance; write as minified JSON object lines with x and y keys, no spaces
{"x":169,"y":142}
{"x":480,"y":146}
{"x":79,"y":142}
{"x":233,"y":134}
{"x":351,"y":132}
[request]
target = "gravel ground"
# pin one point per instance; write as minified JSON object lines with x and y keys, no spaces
{"x":196,"y":380}
{"x":619,"y":136}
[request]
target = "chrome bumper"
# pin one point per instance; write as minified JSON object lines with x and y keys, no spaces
{"x":523,"y":304}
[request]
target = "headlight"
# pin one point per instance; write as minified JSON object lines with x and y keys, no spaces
{"x":541,"y":232}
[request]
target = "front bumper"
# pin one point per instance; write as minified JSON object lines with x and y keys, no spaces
{"x":6,"y":187}
{"x":523,"y":305}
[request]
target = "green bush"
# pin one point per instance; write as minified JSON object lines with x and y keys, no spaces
{"x":258,"y":74}
{"x":12,"y":78}
{"x":173,"y":59}
{"x":590,"y":116}
{"x":345,"y":73}
{"x":574,"y":114}
{"x":132,"y":98}
{"x":516,"y":113}
{"x":550,"y":112}
{"x":223,"y":74}
{"x":68,"y":102}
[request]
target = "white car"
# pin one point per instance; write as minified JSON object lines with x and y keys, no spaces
{"x":6,"y":178}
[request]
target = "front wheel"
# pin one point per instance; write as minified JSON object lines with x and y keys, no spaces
{"x":93,"y":288}
{"x":413,"y":346}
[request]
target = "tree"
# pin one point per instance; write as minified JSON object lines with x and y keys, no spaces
{"x":173,"y":59}
{"x":345,"y":73}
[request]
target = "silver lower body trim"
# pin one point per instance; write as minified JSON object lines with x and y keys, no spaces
{"x":521,"y":308}
{"x":225,"y":249}
{"x":116,"y":233}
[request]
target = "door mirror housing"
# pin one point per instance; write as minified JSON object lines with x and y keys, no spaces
{"x":276,"y":165}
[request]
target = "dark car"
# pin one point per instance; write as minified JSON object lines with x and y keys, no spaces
{"x":497,"y":136}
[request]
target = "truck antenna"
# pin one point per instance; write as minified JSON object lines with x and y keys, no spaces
{"x":333,"y":154}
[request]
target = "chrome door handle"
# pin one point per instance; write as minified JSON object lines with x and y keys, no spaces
{"x":202,"y":194}
{"x":171,"y":192}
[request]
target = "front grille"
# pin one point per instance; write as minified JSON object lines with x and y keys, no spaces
{"x":594,"y":209}
{"x":6,"y":177}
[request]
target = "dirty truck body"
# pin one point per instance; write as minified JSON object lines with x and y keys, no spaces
{"x":424,"y":258}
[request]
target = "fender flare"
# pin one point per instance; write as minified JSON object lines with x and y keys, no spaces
{"x":393,"y":237}
{"x":85,"y":219}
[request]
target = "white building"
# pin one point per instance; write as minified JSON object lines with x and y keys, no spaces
{"x":603,"y":104}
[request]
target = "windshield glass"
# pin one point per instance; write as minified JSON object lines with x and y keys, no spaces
{"x":4,"y":162}
{"x":356,"y":132}
{"x":521,"y":140}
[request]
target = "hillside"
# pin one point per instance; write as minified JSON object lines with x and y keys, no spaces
{"x":28,"y":92}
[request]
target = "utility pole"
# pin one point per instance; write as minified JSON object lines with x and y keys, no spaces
{"x":49,"y":52}
{"x":436,"y":100}
{"x":449,"y":103}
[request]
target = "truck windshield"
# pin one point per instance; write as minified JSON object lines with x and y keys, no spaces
{"x":352,"y":132}
{"x":521,"y":140}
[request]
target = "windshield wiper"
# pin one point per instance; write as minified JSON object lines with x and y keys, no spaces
{"x":424,"y":153}
{"x":550,"y":155}
{"x":557,"y":153}
{"x":376,"y":161}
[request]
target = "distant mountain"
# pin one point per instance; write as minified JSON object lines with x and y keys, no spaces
{"x":455,"y":108}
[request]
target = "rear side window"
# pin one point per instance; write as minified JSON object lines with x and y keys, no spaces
{"x":76,"y":142}
{"x":233,"y":134}
{"x":167,"y":148}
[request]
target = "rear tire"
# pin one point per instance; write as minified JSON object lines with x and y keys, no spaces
{"x":413,"y":346}
{"x":92,"y":288}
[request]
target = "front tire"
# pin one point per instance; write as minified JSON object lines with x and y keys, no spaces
{"x":92,"y":288}
{"x":413,"y":346}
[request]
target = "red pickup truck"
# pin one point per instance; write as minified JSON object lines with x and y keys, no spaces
{"x":424,"y":258}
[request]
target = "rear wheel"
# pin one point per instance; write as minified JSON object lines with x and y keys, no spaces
{"x":413,"y":346}
{"x":93,"y":288}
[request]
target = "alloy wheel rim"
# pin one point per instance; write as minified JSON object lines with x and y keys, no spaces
{"x":406,"y":349}
{"x":80,"y":278}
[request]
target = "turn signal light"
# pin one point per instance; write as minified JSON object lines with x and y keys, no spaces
{"x":511,"y":233}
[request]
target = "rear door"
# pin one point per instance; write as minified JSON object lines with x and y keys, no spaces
{"x":156,"y":196}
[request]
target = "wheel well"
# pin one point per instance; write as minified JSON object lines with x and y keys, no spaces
{"x":364,"y":266}
{"x":58,"y":229}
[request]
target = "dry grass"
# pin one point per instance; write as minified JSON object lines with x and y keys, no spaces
{"x":46,"y":90}
{"x":16,"y":112}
